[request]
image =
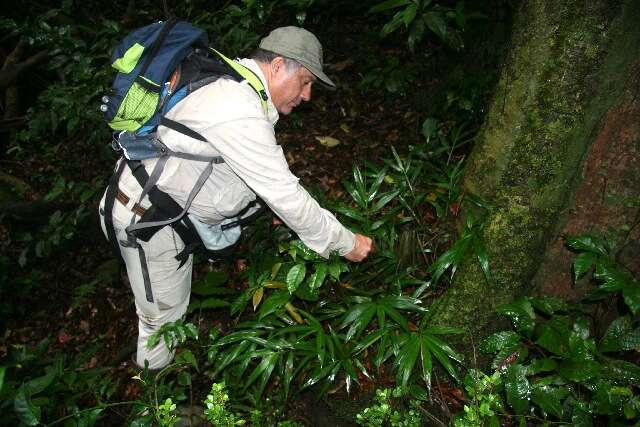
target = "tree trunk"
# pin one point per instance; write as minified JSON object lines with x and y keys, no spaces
{"x":568,"y":89}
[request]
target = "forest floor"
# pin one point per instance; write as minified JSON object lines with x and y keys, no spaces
{"x":105,"y":316}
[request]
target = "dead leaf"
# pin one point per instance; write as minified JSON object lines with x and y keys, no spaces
{"x":257,"y":297}
{"x":293,"y":311}
{"x":342,"y":65}
{"x":84,"y":326}
{"x":327,"y":141}
{"x":63,"y":337}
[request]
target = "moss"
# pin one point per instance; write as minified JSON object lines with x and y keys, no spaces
{"x":531,"y":147}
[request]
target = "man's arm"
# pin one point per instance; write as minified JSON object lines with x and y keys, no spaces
{"x":250,"y":150}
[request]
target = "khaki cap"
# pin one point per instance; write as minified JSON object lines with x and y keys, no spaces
{"x":300,"y":45}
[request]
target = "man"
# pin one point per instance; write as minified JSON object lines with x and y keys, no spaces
{"x":230,"y":116}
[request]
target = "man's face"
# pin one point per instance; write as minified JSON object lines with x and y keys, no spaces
{"x":289,"y":89}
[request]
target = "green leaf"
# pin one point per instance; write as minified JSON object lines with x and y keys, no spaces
{"x":240,"y":302}
{"x":549,"y":399}
{"x":318,"y":276}
{"x":614,"y":280}
{"x":623,"y":371}
{"x":427,"y":363}
{"x":361,"y":321}
{"x":402,"y":302}
{"x":517,"y":388}
{"x":89,"y":418}
{"x":211,"y":284}
{"x":187,"y":357}
{"x":553,"y":336}
{"x":631,"y":296}
{"x":2,"y":372}
{"x":335,"y":268}
{"x":589,"y":243}
{"x":409,"y":14}
{"x":384,"y":200}
{"x":499,"y":341}
{"x":582,"y":415}
{"x":481,"y":253}
{"x":443,"y":353}
{"x":370,"y":339}
{"x":579,"y":370}
{"x":38,"y":384}
{"x":613,"y":339}
{"x":388,"y":4}
{"x":304,"y":251}
{"x":549,"y":305}
{"x":545,"y":364}
{"x":213,"y":303}
{"x":28,"y":413}
{"x":295,"y":276}
{"x":407,"y":359}
{"x":521,"y":314}
{"x":275,"y":301}
{"x":583,"y":263}
{"x":436,"y":23}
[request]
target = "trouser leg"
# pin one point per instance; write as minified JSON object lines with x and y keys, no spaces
{"x":170,"y":285}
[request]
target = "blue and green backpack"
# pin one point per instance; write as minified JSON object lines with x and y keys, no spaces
{"x":158,"y":66}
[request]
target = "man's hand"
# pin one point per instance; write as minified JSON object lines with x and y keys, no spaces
{"x":362,"y":249}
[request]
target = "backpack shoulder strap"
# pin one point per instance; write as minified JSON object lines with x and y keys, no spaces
{"x":248,"y":75}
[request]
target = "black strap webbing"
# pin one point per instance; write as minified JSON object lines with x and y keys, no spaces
{"x":168,"y":208}
{"x":179,"y":127}
{"x":157,"y":43}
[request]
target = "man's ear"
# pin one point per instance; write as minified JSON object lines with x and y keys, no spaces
{"x":277,"y":65}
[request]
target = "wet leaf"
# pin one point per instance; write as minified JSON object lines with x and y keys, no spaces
{"x":257,"y":297}
{"x":622,"y":370}
{"x":28,"y":413}
{"x":295,"y":276}
{"x":327,"y":141}
{"x":549,"y":399}
{"x":274,"y":302}
{"x":214,"y":303}
{"x":583,"y":263}
{"x":317,"y":278}
{"x":291,"y":309}
{"x":517,"y":388}
{"x":579,"y":370}
{"x":521,"y":314}
{"x":187,"y":357}
{"x":499,"y":341}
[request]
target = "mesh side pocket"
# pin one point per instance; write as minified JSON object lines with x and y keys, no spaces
{"x":137,"y":107}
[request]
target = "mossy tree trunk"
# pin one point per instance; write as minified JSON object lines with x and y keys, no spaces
{"x":571,"y":63}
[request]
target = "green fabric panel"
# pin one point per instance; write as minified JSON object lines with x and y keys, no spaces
{"x":128,"y":62}
{"x":136,"y":109}
{"x":248,"y":75}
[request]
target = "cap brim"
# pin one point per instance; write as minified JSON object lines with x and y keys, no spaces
{"x":323,"y":79}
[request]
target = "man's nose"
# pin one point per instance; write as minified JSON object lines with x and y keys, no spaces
{"x":306,"y":93}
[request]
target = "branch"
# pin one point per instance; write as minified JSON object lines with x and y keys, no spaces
{"x":13,"y":67}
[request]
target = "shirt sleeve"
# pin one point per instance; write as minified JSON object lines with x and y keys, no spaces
{"x":249,"y":148}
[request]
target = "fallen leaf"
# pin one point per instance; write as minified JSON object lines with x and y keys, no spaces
{"x":257,"y":298}
{"x":84,"y":326}
{"x":327,"y":141}
{"x":63,"y":337}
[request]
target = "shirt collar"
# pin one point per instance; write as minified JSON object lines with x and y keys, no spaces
{"x":272,"y":113}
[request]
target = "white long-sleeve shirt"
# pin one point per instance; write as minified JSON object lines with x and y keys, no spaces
{"x":230,"y":116}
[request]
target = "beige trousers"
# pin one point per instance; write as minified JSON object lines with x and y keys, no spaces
{"x":171,"y":286}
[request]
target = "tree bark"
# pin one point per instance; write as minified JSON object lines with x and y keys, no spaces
{"x":570,"y":65}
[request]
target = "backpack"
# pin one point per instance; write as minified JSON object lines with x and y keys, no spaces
{"x":158,"y":66}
